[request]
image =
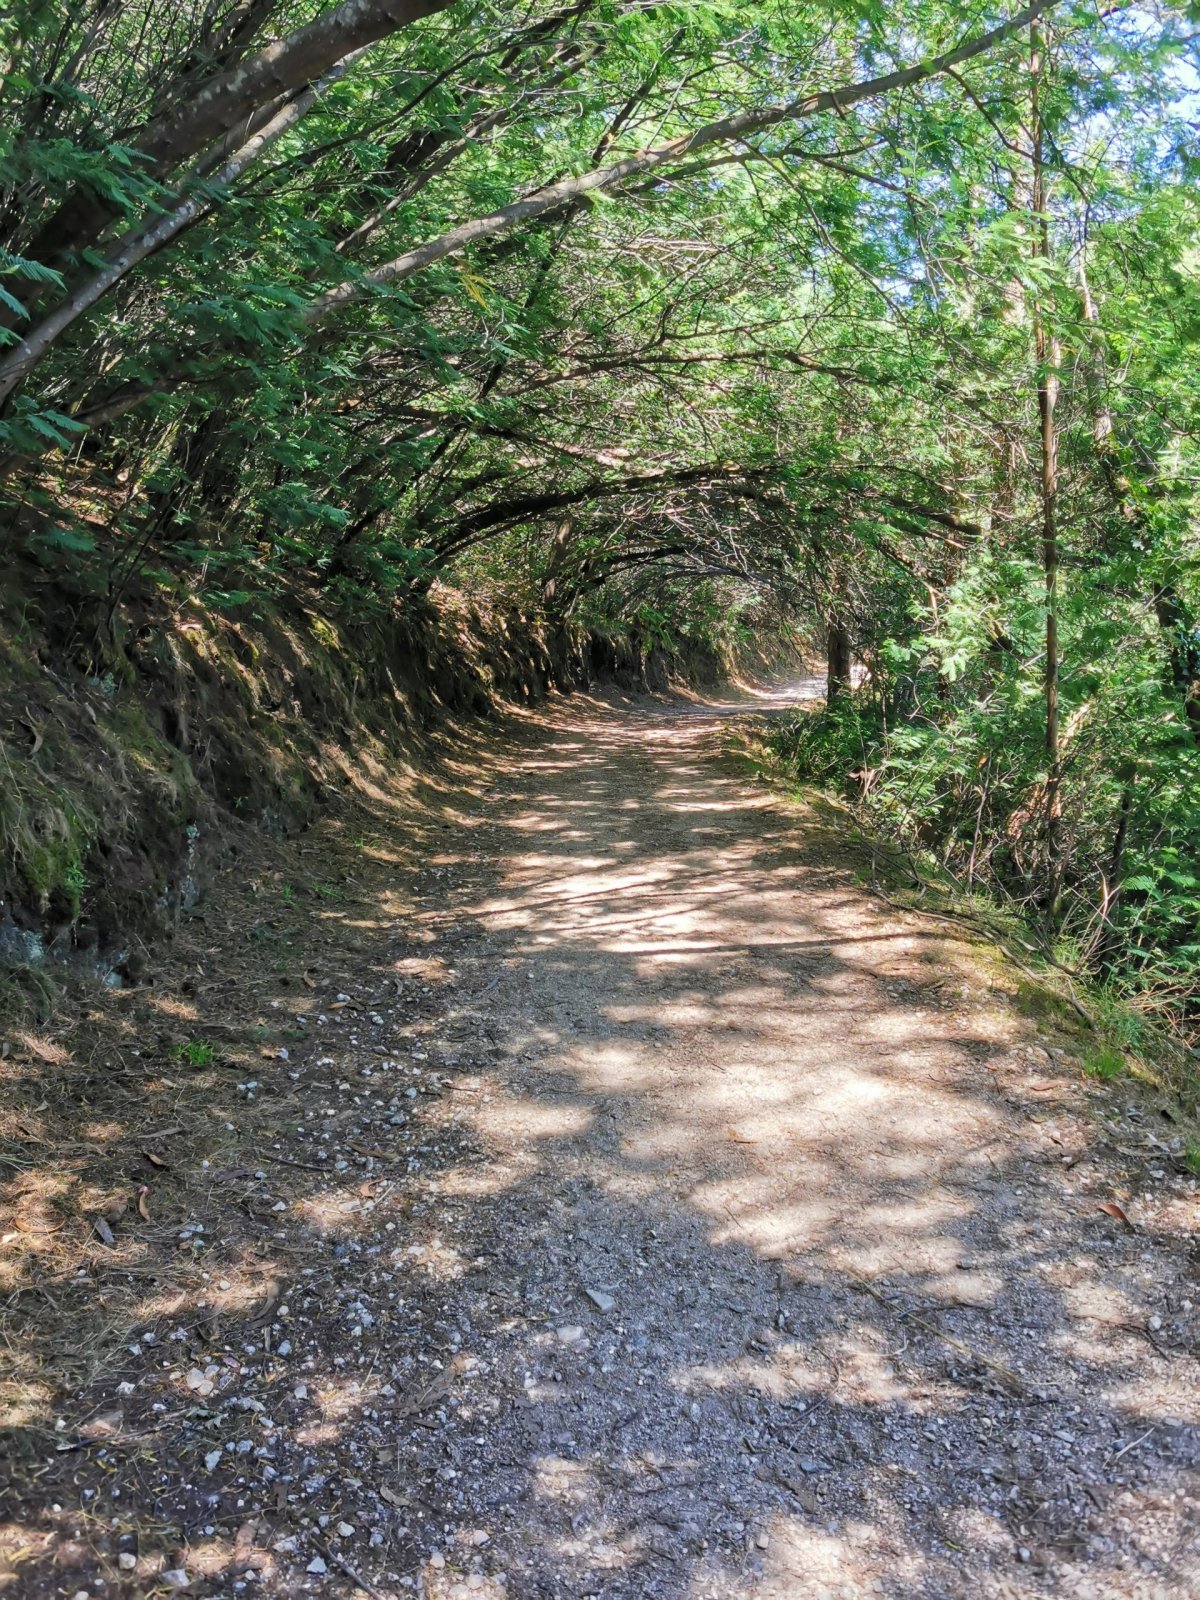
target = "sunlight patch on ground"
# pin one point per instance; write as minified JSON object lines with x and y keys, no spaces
{"x":172,"y":1006}
{"x":801,"y":1561}
{"x":866,"y":1375}
{"x":475,"y":1183}
{"x":530,"y":1119}
{"x":613,"y":1069}
{"x":774,"y":1231}
{"x":913,"y":1241}
{"x":434,"y":1257}
{"x":784,"y":1375}
{"x":965,"y":1286}
{"x":329,"y":1210}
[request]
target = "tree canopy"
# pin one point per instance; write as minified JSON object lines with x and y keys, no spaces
{"x":878,"y":318}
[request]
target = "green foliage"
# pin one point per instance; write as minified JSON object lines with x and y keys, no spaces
{"x":946,"y":754}
{"x":827,"y":747}
{"x":1105,"y":1062}
{"x":29,"y":427}
{"x":778,"y":383}
{"x":195,"y":1053}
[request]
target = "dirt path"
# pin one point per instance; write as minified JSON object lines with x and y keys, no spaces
{"x":688,"y":1224}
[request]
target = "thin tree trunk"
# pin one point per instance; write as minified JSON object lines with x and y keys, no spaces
{"x":1048,"y":358}
{"x":839,"y":663}
{"x":199,"y":115}
{"x":1111,"y":904}
{"x":1103,"y":432}
{"x":148,"y":238}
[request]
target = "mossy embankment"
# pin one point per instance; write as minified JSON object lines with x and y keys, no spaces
{"x":132,"y":738}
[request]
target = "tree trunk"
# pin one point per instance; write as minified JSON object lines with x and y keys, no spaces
{"x":149,"y":237}
{"x":1183,"y":656}
{"x":1048,"y":359}
{"x":198,"y":115}
{"x":838,"y":658}
{"x":1110,"y":910}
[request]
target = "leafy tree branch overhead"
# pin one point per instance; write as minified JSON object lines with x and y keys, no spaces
{"x":161,"y":149}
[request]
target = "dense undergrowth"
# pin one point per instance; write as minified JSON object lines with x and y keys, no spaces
{"x":951,"y":766}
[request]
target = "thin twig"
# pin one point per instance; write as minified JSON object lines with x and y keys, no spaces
{"x":1132,"y":1445}
{"x":355,"y":1577}
{"x":286,"y":1161}
{"x":1014,"y":1378}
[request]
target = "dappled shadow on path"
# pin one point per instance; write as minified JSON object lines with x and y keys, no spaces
{"x":740,"y":1245}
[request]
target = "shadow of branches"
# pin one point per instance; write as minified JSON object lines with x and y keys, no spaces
{"x":605,"y":1196}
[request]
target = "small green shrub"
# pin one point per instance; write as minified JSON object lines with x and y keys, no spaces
{"x":826,"y":747}
{"x":1105,"y":1062}
{"x":195,"y":1052}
